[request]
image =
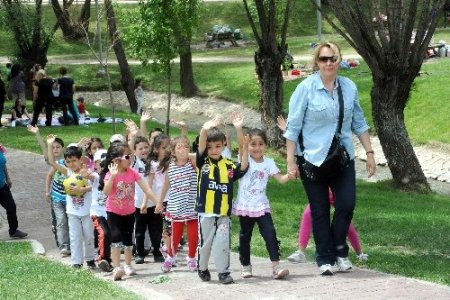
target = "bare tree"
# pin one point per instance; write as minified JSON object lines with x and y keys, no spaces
{"x":72,"y":30}
{"x":392,"y":37}
{"x":269,"y":27}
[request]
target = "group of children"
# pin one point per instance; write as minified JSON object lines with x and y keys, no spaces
{"x":160,"y":185}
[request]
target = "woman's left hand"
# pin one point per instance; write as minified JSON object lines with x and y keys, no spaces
{"x":371,"y":165}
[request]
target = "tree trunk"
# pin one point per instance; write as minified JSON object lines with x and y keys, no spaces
{"x":169,"y":100}
{"x":271,"y":98}
{"x":126,"y":77}
{"x":187,"y":82}
{"x":85,"y":15}
{"x":71,"y":31}
{"x":388,"y":116}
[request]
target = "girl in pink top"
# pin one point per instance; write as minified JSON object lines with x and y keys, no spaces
{"x":304,"y":233}
{"x":118,"y":181}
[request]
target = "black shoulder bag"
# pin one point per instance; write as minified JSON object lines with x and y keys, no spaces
{"x":337,"y":158}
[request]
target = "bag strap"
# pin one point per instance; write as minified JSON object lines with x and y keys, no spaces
{"x":341,"y":110}
{"x":340,"y":118}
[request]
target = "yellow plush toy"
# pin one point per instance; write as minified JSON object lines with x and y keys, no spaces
{"x":72,"y":181}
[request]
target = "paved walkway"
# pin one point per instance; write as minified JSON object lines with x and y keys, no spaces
{"x":304,"y":281}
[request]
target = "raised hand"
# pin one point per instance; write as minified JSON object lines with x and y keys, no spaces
{"x":51,"y":139}
{"x":84,"y":142}
{"x":146,"y":116}
{"x":113,"y":169}
{"x":33,"y":129}
{"x":132,"y":128}
{"x":237,"y":119}
{"x":281,"y":123}
{"x":211,"y":124}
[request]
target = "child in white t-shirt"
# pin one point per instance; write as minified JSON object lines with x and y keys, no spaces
{"x":78,"y":204}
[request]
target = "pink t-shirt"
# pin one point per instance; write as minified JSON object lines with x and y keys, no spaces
{"x":121,"y":198}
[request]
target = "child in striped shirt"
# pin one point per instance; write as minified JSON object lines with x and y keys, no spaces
{"x":181,"y":182}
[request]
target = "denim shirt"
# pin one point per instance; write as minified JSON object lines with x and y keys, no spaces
{"x":315,"y":112}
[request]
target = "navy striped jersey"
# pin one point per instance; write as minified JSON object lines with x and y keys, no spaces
{"x":215,"y":184}
{"x":182,"y":192}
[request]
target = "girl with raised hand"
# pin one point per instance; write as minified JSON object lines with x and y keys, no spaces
{"x":118,"y":180}
{"x":181,"y":183}
{"x":252,"y":205}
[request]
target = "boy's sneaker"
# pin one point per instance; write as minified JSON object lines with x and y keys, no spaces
{"x":225,"y":278}
{"x":167,"y":265}
{"x":363,"y":257}
{"x":91,"y":264}
{"x":118,"y":273}
{"x":138,"y":260}
{"x":204,"y":275}
{"x":104,"y":265}
{"x":192,"y":264}
{"x":326,"y":269}
{"x":246,"y":271}
{"x":129,"y":271}
{"x":77,"y":266}
{"x":18,"y":234}
{"x":279,"y":272}
{"x":344,"y":264}
{"x":158,"y":258}
{"x":297,"y":257}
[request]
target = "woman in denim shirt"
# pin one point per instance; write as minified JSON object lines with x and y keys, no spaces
{"x":314,"y":111}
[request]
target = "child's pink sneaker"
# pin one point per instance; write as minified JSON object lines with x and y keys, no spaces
{"x":192,"y":264}
{"x":167,"y":265}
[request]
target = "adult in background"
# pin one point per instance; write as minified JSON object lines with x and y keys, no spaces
{"x":44,"y":98}
{"x":314,"y":112}
{"x":6,"y":198}
{"x":17,"y":83}
{"x":66,"y":91}
{"x":3,"y":98}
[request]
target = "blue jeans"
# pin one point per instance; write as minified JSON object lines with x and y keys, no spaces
{"x":330,"y":237}
{"x":62,"y":225}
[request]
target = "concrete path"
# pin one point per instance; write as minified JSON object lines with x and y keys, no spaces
{"x":28,"y":172}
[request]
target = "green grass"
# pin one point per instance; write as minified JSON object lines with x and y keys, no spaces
{"x":27,"y":276}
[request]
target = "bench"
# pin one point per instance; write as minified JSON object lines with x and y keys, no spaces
{"x":216,"y":39}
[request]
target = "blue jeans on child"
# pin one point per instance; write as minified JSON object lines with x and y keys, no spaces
{"x":62,"y":226}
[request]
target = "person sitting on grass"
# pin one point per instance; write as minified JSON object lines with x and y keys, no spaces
{"x":18,"y":112}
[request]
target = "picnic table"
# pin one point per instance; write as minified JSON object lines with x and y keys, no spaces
{"x":216,"y":39}
{"x":435,"y":50}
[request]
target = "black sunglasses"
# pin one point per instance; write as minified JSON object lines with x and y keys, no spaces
{"x":325,"y":59}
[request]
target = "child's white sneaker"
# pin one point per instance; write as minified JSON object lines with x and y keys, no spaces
{"x":297,"y":257}
{"x":246,"y":271}
{"x":279,"y":272}
{"x":118,"y":273}
{"x":129,"y":270}
{"x":363,"y":257}
{"x":167,"y":265}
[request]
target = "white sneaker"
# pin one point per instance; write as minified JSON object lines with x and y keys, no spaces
{"x":297,"y":257}
{"x":279,"y":272}
{"x":363,"y":257}
{"x":344,"y":264}
{"x":326,"y":269}
{"x":118,"y":273}
{"x":129,"y":270}
{"x":246,"y":271}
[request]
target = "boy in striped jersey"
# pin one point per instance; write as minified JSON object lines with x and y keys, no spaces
{"x":214,"y":197}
